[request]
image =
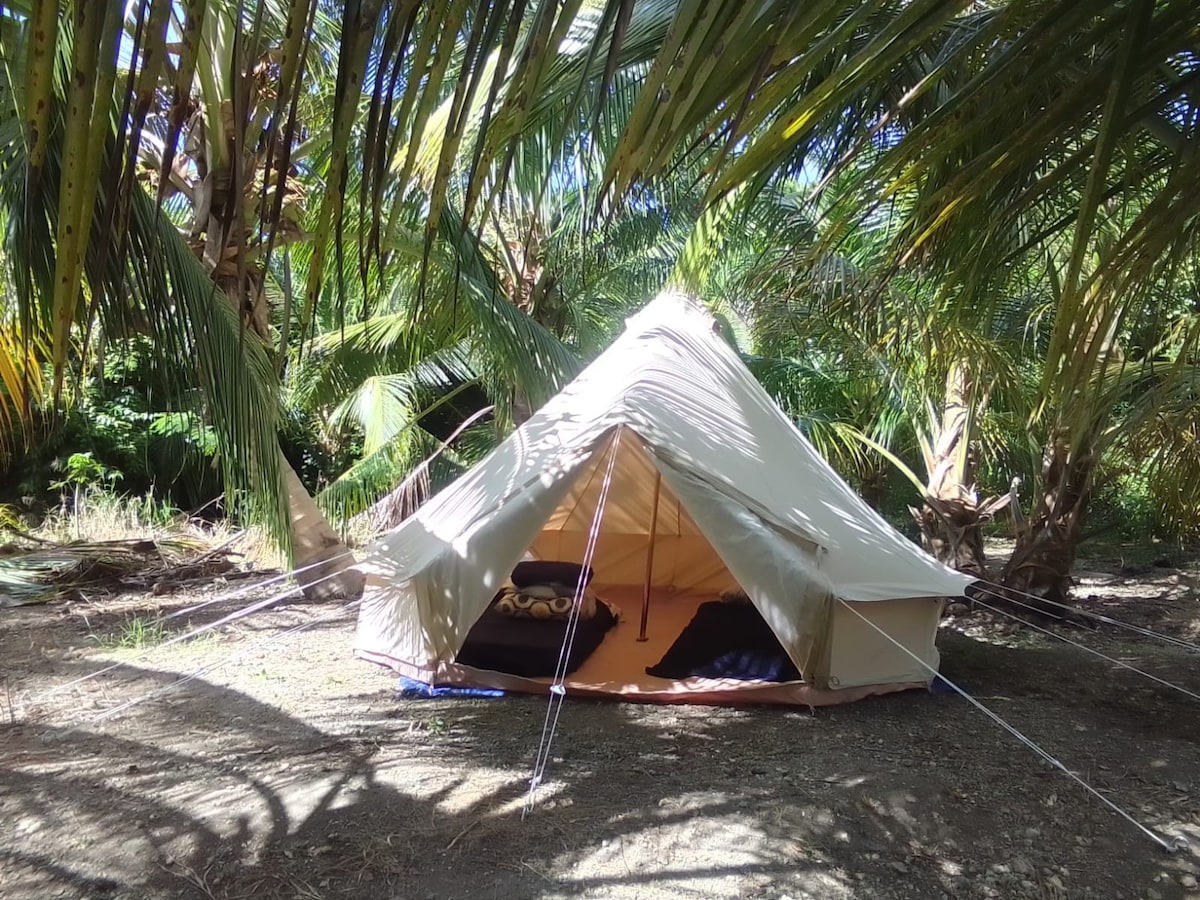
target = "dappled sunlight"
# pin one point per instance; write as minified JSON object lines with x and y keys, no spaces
{"x":250,"y":790}
{"x":638,"y":801}
{"x":708,"y":842}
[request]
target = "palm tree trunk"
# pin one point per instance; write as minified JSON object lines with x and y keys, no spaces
{"x":951,"y":533}
{"x":874,"y":489}
{"x":321,"y":558}
{"x":521,"y":407}
{"x":950,"y":520}
{"x":1044,"y":554}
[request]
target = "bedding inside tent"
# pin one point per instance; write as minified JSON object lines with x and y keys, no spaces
{"x":700,"y":643}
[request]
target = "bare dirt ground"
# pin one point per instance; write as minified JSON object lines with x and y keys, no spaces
{"x":286,"y":769}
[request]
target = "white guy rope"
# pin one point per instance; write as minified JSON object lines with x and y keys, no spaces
{"x":1176,"y":843}
{"x":256,"y":586}
{"x":254,"y":644}
{"x":558,"y":689}
{"x":1006,"y":593}
{"x":422,"y":466}
{"x":178,"y":639}
{"x":1091,"y":650}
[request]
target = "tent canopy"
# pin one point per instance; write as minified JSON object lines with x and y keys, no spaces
{"x":743,"y":499}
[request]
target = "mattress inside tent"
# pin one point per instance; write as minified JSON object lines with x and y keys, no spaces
{"x":686,"y":573}
{"x":617,"y":668}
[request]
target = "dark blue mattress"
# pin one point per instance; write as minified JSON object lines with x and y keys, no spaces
{"x":531,"y":647}
{"x":727,"y":640}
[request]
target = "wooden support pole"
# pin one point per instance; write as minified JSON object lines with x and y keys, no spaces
{"x":650,"y":556}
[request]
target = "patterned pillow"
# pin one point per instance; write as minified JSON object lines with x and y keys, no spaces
{"x":542,"y":602}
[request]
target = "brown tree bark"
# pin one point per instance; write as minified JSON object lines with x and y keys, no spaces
{"x":951,"y":519}
{"x":321,"y":558}
{"x":1047,"y":541}
{"x":874,"y":489}
{"x":951,"y":532}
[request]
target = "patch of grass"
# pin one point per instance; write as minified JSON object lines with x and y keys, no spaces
{"x":101,"y":515}
{"x":136,"y":633}
{"x":265,"y":674}
{"x":10,"y":519}
{"x":435,"y":726}
{"x":145,"y":632}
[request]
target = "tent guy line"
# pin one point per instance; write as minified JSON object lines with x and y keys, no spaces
{"x":558,"y":691}
{"x":1091,"y":650}
{"x":234,"y":616}
{"x":422,"y":466}
{"x":259,"y":585}
{"x":256,"y":644}
{"x":1171,"y":845}
{"x":1006,"y":593}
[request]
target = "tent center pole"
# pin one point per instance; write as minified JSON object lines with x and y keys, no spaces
{"x":650,"y":556}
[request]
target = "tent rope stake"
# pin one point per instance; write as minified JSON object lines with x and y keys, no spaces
{"x":1175,"y":843}
{"x":558,"y":690}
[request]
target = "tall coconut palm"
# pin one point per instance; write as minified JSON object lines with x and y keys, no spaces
{"x":98,"y":253}
{"x":999,"y":127}
{"x":1016,"y":124}
{"x":22,"y":384}
{"x":472,"y":76}
{"x":891,"y":371}
{"x":535,"y":269}
{"x":235,"y":161}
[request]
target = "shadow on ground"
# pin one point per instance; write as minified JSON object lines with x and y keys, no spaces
{"x":210,"y":793}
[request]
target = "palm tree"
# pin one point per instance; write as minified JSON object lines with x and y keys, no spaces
{"x":880,"y":371}
{"x":185,"y":292}
{"x":998,"y":130}
{"x":21,"y":382}
{"x":1015,"y":128}
{"x":235,"y":163}
{"x":536,"y":268}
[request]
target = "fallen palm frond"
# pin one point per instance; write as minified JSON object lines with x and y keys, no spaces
{"x":65,"y":571}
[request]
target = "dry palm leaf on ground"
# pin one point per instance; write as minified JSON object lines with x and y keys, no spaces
{"x":30,"y":575}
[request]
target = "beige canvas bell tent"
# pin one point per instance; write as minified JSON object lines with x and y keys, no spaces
{"x":692,"y":482}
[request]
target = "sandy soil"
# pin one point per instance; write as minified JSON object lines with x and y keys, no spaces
{"x":286,"y":769}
